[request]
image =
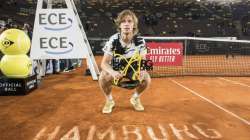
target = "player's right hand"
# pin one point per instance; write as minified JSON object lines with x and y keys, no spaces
{"x":116,"y":75}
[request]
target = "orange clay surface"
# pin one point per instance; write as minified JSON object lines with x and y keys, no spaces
{"x":68,"y":106}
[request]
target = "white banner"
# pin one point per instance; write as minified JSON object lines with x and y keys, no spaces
{"x":57,"y":35}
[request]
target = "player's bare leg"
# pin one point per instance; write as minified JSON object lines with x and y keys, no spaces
{"x":135,"y":99}
{"x":105,"y":82}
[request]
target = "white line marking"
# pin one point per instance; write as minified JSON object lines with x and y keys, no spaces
{"x":213,"y":103}
{"x":234,"y":82}
{"x":40,"y":133}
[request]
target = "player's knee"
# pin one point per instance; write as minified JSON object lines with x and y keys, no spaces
{"x":105,"y":76}
{"x":146,"y":79}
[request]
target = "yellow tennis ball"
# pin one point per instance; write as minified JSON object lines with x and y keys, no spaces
{"x":14,"y":41}
{"x":16,"y":66}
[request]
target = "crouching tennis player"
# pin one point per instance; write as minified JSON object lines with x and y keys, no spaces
{"x":125,"y":43}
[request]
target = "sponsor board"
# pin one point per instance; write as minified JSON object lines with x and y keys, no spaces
{"x":165,"y":54}
{"x":17,"y":86}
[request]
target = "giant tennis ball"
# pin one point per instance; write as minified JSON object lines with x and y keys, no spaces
{"x":16,"y":66}
{"x":14,"y":41}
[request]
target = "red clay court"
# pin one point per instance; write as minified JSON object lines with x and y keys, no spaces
{"x":68,"y":107}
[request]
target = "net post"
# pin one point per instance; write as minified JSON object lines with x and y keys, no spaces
{"x":184,"y":72}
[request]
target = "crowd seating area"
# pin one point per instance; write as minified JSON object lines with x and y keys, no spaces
{"x":157,"y":17}
{"x":170,"y":18}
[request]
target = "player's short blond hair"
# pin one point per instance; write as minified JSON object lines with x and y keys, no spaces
{"x":120,"y":17}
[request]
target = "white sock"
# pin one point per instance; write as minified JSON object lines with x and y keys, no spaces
{"x":135,"y":95}
{"x":109,"y":97}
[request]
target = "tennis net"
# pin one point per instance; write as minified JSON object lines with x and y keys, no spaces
{"x":180,"y":56}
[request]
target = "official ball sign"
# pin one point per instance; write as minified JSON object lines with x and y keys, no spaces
{"x":17,"y":86}
{"x":165,"y":54}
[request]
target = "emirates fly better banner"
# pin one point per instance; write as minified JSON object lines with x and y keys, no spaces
{"x":165,"y":54}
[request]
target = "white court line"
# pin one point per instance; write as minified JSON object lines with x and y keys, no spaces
{"x":234,"y":82}
{"x":213,"y":103}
